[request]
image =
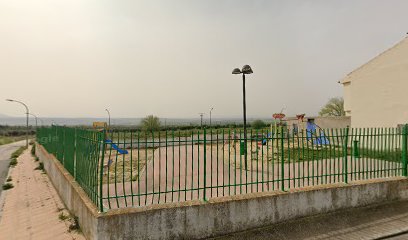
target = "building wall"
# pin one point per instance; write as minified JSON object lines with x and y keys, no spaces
{"x":379,"y":90}
{"x":332,"y":122}
{"x":347,"y":98}
{"x":323,"y":122}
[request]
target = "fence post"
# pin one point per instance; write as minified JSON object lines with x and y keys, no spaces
{"x":74,"y":155}
{"x":404,"y":150}
{"x":101,"y":170}
{"x":205,"y":165}
{"x":280,"y":133}
{"x":345,"y":161}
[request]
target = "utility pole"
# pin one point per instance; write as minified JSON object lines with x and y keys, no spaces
{"x":201,"y":115}
{"x":210,"y":115}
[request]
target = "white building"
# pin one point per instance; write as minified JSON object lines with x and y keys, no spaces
{"x":376,"y":94}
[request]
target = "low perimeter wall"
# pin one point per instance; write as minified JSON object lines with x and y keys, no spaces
{"x":218,"y":216}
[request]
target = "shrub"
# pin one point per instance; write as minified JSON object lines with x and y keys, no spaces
{"x":151,"y":123}
{"x":40,"y":166}
{"x":13,"y":162}
{"x":63,"y":217}
{"x":258,"y":124}
{"x":7,"y":186}
{"x":33,"y":150}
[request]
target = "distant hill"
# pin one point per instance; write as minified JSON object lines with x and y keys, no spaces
{"x":4,"y":116}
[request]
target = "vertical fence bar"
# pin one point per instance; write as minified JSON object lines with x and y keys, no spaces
{"x":101,"y":172}
{"x":282,"y":161}
{"x":345,"y":160}
{"x":205,"y":166}
{"x":404,"y":150}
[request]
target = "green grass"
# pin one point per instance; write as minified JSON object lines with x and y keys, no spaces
{"x":33,"y":150}
{"x":63,"y":217}
{"x":309,"y":154}
{"x":387,"y":155}
{"x":7,"y":139}
{"x":15,"y":155}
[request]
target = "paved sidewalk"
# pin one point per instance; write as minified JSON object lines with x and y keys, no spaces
{"x":32,"y":208}
{"x":386,"y":221}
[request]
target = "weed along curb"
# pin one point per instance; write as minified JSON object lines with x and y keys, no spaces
{"x":199,"y":219}
{"x":8,"y":184}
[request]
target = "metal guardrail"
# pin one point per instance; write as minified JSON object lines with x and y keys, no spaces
{"x":136,"y":168}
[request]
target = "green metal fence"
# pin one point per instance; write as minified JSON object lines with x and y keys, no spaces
{"x":136,"y":168}
{"x":79,"y":151}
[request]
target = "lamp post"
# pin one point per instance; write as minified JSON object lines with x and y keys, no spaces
{"x":107,"y":110}
{"x":27,"y":113}
{"x":36,"y":120}
{"x":201,"y":116}
{"x":210,"y":115}
{"x":246,"y":69}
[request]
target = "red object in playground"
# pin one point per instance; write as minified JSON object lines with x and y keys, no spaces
{"x":278,"y":115}
{"x":300,"y":116}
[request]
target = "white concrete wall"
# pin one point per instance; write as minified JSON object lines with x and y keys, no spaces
{"x":377,"y":96}
{"x":347,"y":98}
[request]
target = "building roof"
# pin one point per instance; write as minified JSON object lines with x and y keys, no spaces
{"x":349,"y":76}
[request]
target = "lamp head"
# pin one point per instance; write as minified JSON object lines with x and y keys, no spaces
{"x":10,"y":100}
{"x":246,"y":69}
{"x":236,"y":71}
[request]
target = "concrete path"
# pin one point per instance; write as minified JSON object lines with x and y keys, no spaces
{"x":31,"y":209}
{"x":5,"y":153}
{"x":386,"y":221}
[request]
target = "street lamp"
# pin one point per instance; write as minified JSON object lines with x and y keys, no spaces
{"x":210,"y":115}
{"x":36,"y":120}
{"x":107,"y":110}
{"x":27,"y":113}
{"x":201,"y":116}
{"x":246,"y":69}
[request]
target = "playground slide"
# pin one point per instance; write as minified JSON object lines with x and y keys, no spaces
{"x":311,"y":130}
{"x":264,"y":140}
{"x":114,"y":146}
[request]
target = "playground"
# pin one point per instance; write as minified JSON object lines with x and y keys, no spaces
{"x":148,"y":171}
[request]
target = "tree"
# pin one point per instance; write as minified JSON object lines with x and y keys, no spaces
{"x":151,"y":123}
{"x":334,"y":107}
{"x":258,"y":124}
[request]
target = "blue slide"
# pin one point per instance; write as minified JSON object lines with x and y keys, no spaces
{"x":320,"y":140}
{"x":267,"y":136}
{"x":114,"y":146}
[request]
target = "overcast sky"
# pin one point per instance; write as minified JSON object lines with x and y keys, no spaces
{"x":74,"y":58}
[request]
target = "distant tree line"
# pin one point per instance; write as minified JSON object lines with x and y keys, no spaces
{"x":15,"y":131}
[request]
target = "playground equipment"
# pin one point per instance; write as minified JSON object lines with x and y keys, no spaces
{"x":100,"y":126}
{"x":114,"y":146}
{"x":320,"y":139}
{"x":300,"y":123}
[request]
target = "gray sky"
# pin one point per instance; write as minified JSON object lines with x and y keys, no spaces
{"x":74,"y":58}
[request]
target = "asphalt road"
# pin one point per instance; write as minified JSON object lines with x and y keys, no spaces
{"x":5,"y":153}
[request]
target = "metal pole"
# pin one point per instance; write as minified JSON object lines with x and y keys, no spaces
{"x":27,"y":113}
{"x":109,"y":122}
{"x":27,"y":129}
{"x":404,"y":150}
{"x":245,"y":130}
{"x":210,"y":115}
{"x":201,"y":116}
{"x":36,"y":120}
{"x":210,"y":118}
